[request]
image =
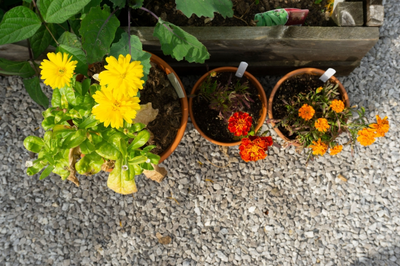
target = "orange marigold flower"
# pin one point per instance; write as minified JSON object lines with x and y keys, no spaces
{"x":319,"y":89}
{"x":318,"y":147}
{"x":306,"y":112}
{"x":337,"y":106}
{"x":321,"y":124}
{"x":366,"y":136}
{"x":381,"y":127}
{"x":254,"y":148}
{"x":240,"y":123}
{"x":335,"y":150}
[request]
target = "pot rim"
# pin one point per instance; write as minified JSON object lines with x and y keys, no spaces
{"x":301,"y":71}
{"x":184,"y":108}
{"x":252,"y":79}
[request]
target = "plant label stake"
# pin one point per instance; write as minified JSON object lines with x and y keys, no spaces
{"x":174,"y":81}
{"x":241,"y":69}
{"x":327,"y":75}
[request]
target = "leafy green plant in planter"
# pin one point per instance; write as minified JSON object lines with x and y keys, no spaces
{"x":89,"y":30}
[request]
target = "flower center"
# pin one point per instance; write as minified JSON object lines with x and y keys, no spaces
{"x":123,"y":75}
{"x":116,"y":106}
{"x":61,"y":71}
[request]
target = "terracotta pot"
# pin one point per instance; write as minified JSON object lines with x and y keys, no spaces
{"x":252,"y":79}
{"x":301,"y":71}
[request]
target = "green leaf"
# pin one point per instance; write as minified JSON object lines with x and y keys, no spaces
{"x":92,"y":3}
{"x":18,"y":24}
{"x":122,"y":181}
{"x":22,"y":69}
{"x":62,"y":129}
{"x":205,"y":7}
{"x":179,"y":44}
{"x":74,"y":139}
{"x":41,"y":40}
{"x":154,"y":158}
{"x":85,"y":86}
{"x":135,"y":4}
{"x":48,"y":122}
{"x":108,"y":151}
{"x":90,"y":164}
{"x":87,"y":147}
{"x":56,"y":98}
{"x":70,"y":39}
{"x":137,"y":53}
{"x":58,"y":11}
{"x":98,"y":31}
{"x":78,"y":55}
{"x":119,"y":3}
{"x":34,"y":169}
{"x":34,"y":90}
{"x":89,"y":122}
{"x":118,"y":141}
{"x":146,"y":166}
{"x":46,"y":172}
{"x":141,"y":139}
{"x":138,"y":159}
{"x":33,"y":144}
{"x":78,"y":87}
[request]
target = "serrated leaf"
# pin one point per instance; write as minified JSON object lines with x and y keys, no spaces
{"x":122,"y":181}
{"x":78,"y":55}
{"x":70,"y":39}
{"x":23,"y":69}
{"x":118,"y":3}
{"x":98,"y":31}
{"x":34,"y":90}
{"x":179,"y":44}
{"x":58,"y":11}
{"x":18,"y":24}
{"x":137,"y":53}
{"x":205,"y":7}
{"x":41,"y":40}
{"x":135,"y":4}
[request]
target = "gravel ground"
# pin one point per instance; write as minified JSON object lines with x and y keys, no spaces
{"x":272,"y":212}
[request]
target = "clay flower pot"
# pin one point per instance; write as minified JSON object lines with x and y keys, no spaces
{"x":184,"y":107}
{"x":261,"y":95}
{"x":311,"y":71}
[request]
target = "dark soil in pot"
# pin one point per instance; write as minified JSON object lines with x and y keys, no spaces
{"x":159,"y":91}
{"x":244,"y":11}
{"x":162,"y":95}
{"x":207,"y":119}
{"x":288,"y":90}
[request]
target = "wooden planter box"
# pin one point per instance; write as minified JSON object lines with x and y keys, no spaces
{"x":273,"y":50}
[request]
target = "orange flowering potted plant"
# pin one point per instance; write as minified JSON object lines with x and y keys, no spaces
{"x":318,"y":117}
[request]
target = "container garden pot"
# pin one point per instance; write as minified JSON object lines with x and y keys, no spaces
{"x":311,"y":71}
{"x":254,"y":82}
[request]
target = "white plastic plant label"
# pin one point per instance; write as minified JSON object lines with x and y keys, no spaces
{"x":327,"y":75}
{"x":241,"y":69}
{"x":176,"y":84}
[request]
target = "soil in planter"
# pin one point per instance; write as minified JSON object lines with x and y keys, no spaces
{"x":287,"y":91}
{"x":207,"y":119}
{"x":244,"y":11}
{"x":159,"y":91}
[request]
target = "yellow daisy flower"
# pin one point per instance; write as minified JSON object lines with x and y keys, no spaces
{"x":58,"y":70}
{"x":114,"y":110}
{"x":122,"y":75}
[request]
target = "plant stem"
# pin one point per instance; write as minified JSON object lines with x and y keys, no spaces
{"x":44,"y":22}
{"x":31,"y":58}
{"x":129,"y":30}
{"x":145,"y":9}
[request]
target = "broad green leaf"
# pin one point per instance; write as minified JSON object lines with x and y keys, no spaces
{"x":34,"y":90}
{"x":58,"y":11}
{"x":18,"y":24}
{"x":75,"y":25}
{"x":56,"y":98}
{"x":146,"y":166}
{"x":89,"y":122}
{"x":41,"y":40}
{"x":70,"y":39}
{"x":137,"y":53}
{"x":78,"y":55}
{"x":98,"y":30}
{"x":108,"y":151}
{"x":119,"y":3}
{"x":138,"y":159}
{"x":135,"y":3}
{"x":34,"y":169}
{"x":62,"y":129}
{"x":141,"y":139}
{"x":205,"y":7}
{"x":92,"y":3}
{"x":87,"y":147}
{"x":130,"y":132}
{"x":85,"y":86}
{"x":118,"y":179}
{"x":23,"y":69}
{"x":48,"y":122}
{"x":74,"y":139}
{"x":149,"y":148}
{"x":61,"y":166}
{"x":33,"y":144}
{"x":90,"y":164}
{"x":118,"y":141}
{"x":78,"y":87}
{"x":46,"y":172}
{"x":154,"y":158}
{"x":70,"y":97}
{"x":179,"y":44}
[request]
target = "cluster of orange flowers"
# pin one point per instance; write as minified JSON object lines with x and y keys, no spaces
{"x":254,"y":148}
{"x":367,"y":135}
{"x":240,"y":123}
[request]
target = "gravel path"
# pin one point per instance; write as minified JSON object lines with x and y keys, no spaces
{"x":274,"y":212}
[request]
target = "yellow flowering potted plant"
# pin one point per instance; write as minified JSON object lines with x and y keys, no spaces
{"x":315,"y":118}
{"x":95,"y":120}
